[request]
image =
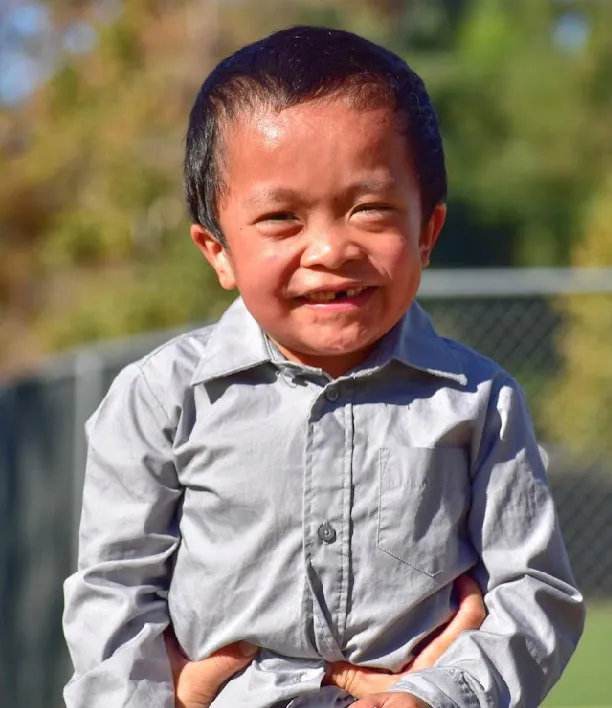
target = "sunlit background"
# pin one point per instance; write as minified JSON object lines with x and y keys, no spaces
{"x":94,"y":97}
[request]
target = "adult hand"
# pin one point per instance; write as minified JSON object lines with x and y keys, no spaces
{"x":196,"y":683}
{"x":361,"y":682}
{"x":391,"y":700}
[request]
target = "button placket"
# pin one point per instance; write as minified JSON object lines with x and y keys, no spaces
{"x":326,"y":550}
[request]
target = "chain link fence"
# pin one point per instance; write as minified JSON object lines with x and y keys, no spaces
{"x":522,"y":319}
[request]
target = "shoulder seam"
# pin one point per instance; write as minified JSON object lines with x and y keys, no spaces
{"x":202,"y":334}
{"x":459,"y":348}
{"x":196,"y":333}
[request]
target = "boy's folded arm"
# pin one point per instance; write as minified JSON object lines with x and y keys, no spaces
{"x":535,"y":613}
{"x":115,"y":604}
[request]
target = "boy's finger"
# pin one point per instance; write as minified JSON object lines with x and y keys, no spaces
{"x":470,"y":614}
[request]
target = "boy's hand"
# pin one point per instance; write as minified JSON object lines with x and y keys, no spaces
{"x":391,"y":700}
{"x":196,"y":683}
{"x":361,"y":682}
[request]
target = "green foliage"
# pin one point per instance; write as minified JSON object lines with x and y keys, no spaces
{"x":579,"y":406}
{"x":586,"y":683}
{"x":154,"y":294}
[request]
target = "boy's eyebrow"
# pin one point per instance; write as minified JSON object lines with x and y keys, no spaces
{"x":371,"y":185}
{"x":269,"y":195}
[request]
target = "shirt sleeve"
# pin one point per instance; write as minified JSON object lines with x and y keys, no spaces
{"x":535,"y":614}
{"x":116,"y":603}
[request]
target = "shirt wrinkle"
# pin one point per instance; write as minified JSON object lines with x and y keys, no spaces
{"x":155,"y":398}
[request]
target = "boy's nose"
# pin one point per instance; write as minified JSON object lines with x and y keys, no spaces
{"x":330,"y":249}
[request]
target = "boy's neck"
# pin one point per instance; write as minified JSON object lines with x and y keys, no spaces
{"x":334,"y":366}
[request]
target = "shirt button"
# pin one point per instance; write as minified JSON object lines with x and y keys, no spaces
{"x":331,"y":394}
{"x":327,"y":533}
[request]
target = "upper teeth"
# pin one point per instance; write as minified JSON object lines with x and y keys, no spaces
{"x":328,"y":295}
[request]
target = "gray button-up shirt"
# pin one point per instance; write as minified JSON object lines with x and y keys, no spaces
{"x":242,"y":496}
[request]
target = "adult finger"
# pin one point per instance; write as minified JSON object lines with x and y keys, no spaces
{"x":175,"y":655}
{"x":222,"y":664}
{"x":196,"y":683}
{"x":391,"y":700}
{"x":359,"y":681}
{"x":470,"y":614}
{"x":371,"y":702}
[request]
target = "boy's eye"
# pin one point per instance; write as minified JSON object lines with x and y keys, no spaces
{"x":279,"y":224}
{"x":373,"y":209}
{"x":278,"y":216}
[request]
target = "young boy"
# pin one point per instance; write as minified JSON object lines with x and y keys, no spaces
{"x":312,"y":473}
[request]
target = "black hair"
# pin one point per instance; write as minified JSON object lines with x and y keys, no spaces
{"x":292,"y":66}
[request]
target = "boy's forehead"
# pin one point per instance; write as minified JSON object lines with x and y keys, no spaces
{"x":272,"y":121}
{"x":310,"y":125}
{"x":323,"y":146}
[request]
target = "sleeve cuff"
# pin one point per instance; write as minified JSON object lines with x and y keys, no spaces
{"x":440,"y":688}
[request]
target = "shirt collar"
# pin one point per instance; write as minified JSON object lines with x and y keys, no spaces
{"x":415,"y":343}
{"x":238,"y":343}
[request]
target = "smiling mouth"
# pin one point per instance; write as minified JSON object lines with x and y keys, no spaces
{"x":334,"y":295}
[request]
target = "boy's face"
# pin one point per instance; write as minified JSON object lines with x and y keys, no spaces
{"x":324,"y":228}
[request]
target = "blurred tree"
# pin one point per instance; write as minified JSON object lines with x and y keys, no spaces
{"x":579,"y":406}
{"x":514,"y":107}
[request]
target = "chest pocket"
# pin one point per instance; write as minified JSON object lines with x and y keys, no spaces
{"x":423,"y":499}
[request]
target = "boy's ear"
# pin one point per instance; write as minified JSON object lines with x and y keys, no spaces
{"x":216,"y":254}
{"x":430,"y":233}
